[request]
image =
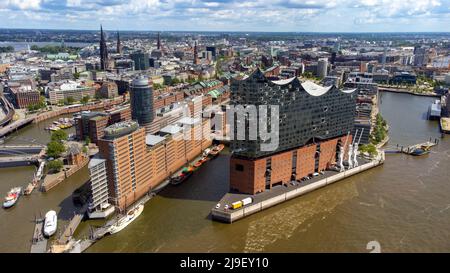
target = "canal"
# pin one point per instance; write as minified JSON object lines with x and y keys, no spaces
{"x":404,"y":205}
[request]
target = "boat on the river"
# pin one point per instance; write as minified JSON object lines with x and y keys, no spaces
{"x":11,"y":197}
{"x":183,"y":176}
{"x":200,"y":162}
{"x":420,"y":151}
{"x":53,"y":127}
{"x":124,"y":221}
{"x":50,"y":223}
{"x":434,"y":111}
{"x":216,"y":150}
{"x":206,"y":152}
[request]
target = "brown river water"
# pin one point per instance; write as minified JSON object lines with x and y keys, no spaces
{"x":404,"y":204}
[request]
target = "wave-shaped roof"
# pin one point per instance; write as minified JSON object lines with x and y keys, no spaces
{"x":310,"y":87}
{"x":315,"y":89}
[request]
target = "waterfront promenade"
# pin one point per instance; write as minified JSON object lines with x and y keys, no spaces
{"x":407,"y":91}
{"x":283,"y":193}
{"x":36,"y":118}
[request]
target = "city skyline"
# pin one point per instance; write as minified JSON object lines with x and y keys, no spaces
{"x":230,"y":15}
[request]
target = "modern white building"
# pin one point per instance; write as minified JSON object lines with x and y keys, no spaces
{"x":99,"y":206}
{"x":60,"y":91}
{"x":322,"y":68}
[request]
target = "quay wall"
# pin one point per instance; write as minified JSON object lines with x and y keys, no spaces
{"x":406,"y":91}
{"x":233,"y":215}
{"x":54,"y":181}
{"x":52,"y":114}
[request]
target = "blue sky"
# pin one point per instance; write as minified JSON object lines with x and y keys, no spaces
{"x":230,"y":15}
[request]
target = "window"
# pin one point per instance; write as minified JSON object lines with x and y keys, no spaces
{"x":239,"y":167}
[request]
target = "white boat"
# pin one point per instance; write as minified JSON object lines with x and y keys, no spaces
{"x":206,"y":152}
{"x":434,"y":111}
{"x":127,"y":219}
{"x":11,"y":197}
{"x":50,"y":223}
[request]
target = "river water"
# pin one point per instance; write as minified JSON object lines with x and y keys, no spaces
{"x":404,"y":205}
{"x":18,"y":46}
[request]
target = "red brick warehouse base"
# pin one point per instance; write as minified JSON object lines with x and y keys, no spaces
{"x":249,"y":176}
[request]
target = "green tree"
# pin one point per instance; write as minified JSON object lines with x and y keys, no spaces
{"x":69,"y":101}
{"x":55,"y":165}
{"x":55,"y":149}
{"x":5,"y":49}
{"x":369,"y":148}
{"x":87,"y":140}
{"x":59,"y":136}
{"x":175,"y":81}
{"x":85,"y":99}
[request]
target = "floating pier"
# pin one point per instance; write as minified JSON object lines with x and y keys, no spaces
{"x":280,"y":194}
{"x":98,"y":233}
{"x":410,"y":149}
{"x":38,"y":241}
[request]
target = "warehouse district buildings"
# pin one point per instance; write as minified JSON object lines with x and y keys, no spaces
{"x":314,"y":122}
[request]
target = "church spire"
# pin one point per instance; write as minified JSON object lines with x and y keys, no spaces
{"x":158,"y":43}
{"x":119,"y":46}
{"x":103,"y":50}
{"x":195,"y":53}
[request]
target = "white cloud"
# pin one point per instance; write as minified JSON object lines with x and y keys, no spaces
{"x":270,"y":15}
{"x":21,"y":4}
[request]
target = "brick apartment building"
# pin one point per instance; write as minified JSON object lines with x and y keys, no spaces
{"x":92,"y":124}
{"x":136,"y":161}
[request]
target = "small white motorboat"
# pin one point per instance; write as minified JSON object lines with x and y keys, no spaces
{"x":50,"y":223}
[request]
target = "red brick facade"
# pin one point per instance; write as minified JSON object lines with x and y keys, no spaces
{"x":305,"y":160}
{"x":249,"y":176}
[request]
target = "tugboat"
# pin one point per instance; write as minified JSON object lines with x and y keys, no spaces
{"x":216,"y":150}
{"x":185,"y":174}
{"x":11,"y":197}
{"x":127,"y":219}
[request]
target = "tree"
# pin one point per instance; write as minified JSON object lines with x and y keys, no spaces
{"x":369,"y":148}
{"x":85,"y":99}
{"x":87,"y":140}
{"x":175,"y":81}
{"x":4,"y":49}
{"x":69,"y":101}
{"x":55,"y":165}
{"x":55,"y":149}
{"x":59,"y":136}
